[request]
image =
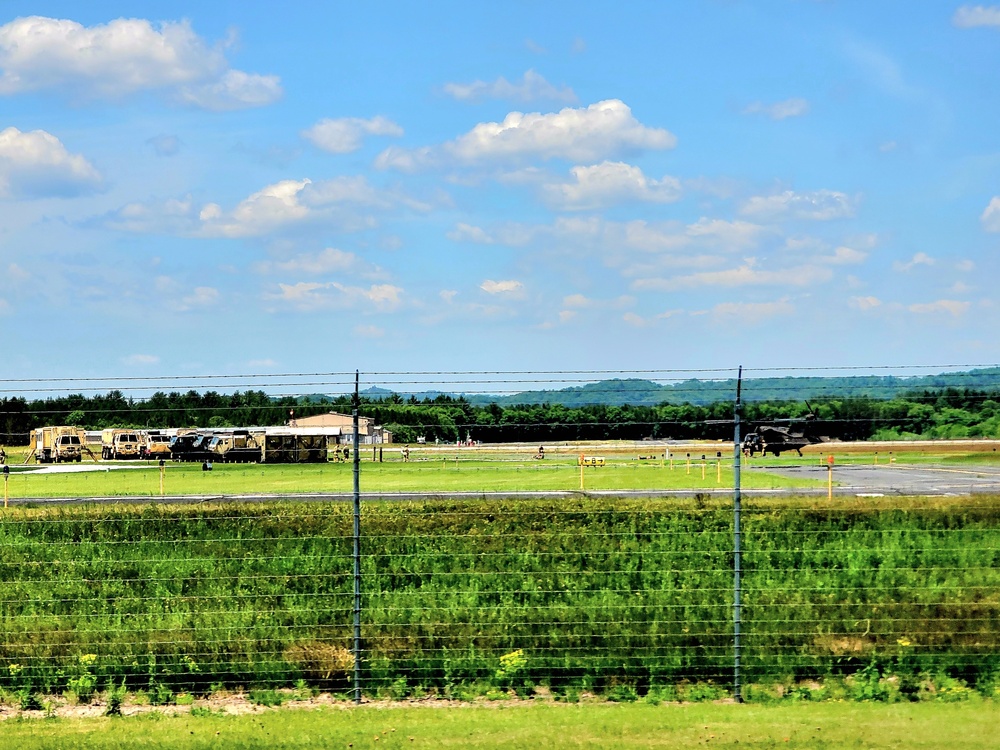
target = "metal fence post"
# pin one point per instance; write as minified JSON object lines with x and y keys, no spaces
{"x":737,"y":613}
{"x":357,"y":545}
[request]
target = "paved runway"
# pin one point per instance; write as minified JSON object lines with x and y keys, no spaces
{"x":897,"y":479}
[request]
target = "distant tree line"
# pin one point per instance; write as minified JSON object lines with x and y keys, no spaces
{"x":947,"y":413}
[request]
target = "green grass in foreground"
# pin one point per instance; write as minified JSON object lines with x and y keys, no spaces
{"x":424,"y":476}
{"x":828,"y":726}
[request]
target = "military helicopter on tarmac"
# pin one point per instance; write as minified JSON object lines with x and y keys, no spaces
{"x":777,"y":436}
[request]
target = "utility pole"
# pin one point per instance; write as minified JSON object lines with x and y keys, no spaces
{"x":737,"y":501}
{"x":357,"y":544}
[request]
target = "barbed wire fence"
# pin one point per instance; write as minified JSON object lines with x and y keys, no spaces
{"x":477,"y":570}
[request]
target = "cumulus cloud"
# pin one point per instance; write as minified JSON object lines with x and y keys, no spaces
{"x":532,"y":87}
{"x":583,"y":134}
{"x":125,"y":57}
{"x":990,"y":218}
{"x":346,"y":134}
{"x":234,"y":90}
{"x":973,"y":16}
{"x":779,"y":110}
{"x":949,"y":306}
{"x":36,"y":164}
{"x":609,"y":183}
{"x":282,"y":205}
{"x":745,"y":275}
{"x":819,"y":205}
{"x":919,"y":259}
{"x":509,"y":287}
{"x":309,"y":296}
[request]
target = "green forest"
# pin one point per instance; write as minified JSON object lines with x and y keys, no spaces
{"x":945,"y":413}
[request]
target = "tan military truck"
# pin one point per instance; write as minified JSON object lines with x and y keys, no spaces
{"x":156,"y":446}
{"x":58,"y":444}
{"x":117,"y":444}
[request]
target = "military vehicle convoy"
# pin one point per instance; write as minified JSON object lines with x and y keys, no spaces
{"x":271,"y":445}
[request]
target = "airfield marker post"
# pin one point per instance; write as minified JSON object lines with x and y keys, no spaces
{"x":6,"y":477}
{"x":163,"y":469}
{"x":581,"y":472}
{"x":703,"y":466}
{"x":829,"y":477}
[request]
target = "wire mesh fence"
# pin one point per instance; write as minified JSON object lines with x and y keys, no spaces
{"x":486,"y":571}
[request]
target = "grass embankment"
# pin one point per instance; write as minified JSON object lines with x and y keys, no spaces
{"x":445,"y":475}
{"x":829,"y":726}
{"x":622,"y":598}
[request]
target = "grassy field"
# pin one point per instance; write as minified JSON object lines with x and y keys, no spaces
{"x":884,"y":599}
{"x":827,"y":726}
{"x":465,"y":474}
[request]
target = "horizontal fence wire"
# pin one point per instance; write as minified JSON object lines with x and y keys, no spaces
{"x":490,"y":568}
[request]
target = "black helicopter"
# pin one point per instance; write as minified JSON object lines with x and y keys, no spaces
{"x":777,"y":436}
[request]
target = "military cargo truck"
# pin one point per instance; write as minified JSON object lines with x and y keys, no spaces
{"x":58,"y":444}
{"x":117,"y":444}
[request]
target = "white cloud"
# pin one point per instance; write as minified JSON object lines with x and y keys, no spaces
{"x":138,"y":360}
{"x":745,"y":275}
{"x":123,"y":57}
{"x":532,"y":87}
{"x":794,"y":107}
{"x":634,"y":320}
{"x":502,"y":287}
{"x":36,"y":164}
{"x":584,"y":134}
{"x":346,"y":134}
{"x":202,"y":296}
{"x":920,"y":259}
{"x":468,"y":233}
{"x":864,"y":303}
{"x":753,"y":312}
{"x":972,"y":16}
{"x":730,"y":235}
{"x":234,"y":90}
{"x":275,"y":207}
{"x":330,"y":260}
{"x":369,"y":331}
{"x":949,"y":306}
{"x":990,"y":218}
{"x":844,"y":255}
{"x":609,"y":183}
{"x":308,"y":296}
{"x":965,"y":265}
{"x":820,"y":205}
{"x":164,"y":145}
{"x":582,"y":302}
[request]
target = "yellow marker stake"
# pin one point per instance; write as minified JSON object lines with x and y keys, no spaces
{"x":703,"y":469}
{"x":689,"y":463}
{"x":581,"y":472}
{"x":5,"y":478}
{"x":718,"y":471}
{"x":162,"y":470}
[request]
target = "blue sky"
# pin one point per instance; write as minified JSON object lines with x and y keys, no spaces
{"x":204,"y":188}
